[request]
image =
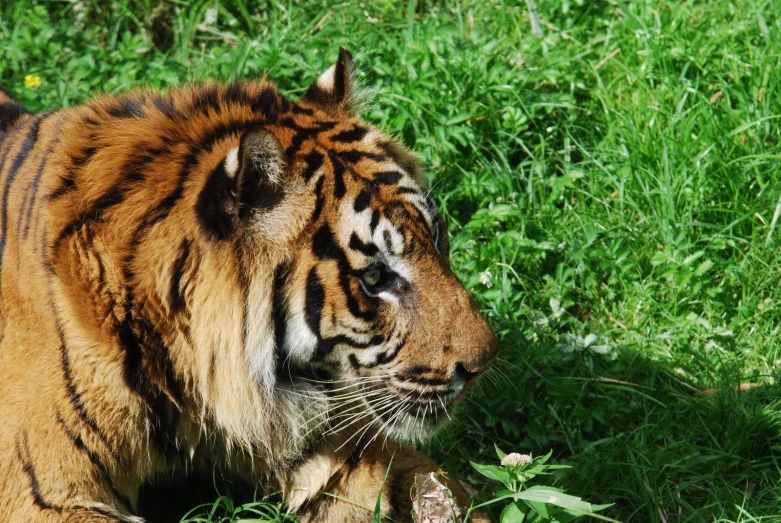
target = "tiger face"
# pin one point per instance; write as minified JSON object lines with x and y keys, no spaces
{"x":369,"y":296}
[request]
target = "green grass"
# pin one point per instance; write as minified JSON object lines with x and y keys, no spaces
{"x":618,"y":177}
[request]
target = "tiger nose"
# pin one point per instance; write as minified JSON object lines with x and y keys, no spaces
{"x":462,"y":373}
{"x":470,"y":370}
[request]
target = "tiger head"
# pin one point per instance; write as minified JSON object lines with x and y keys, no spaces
{"x":367,"y":294}
{"x":296,"y":243}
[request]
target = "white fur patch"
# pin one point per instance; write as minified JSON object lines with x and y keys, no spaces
{"x":300,"y":341}
{"x":259,"y":346}
{"x":397,"y":239}
{"x":326,"y":80}
{"x":232,"y":162}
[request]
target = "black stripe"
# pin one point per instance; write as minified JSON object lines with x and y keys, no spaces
{"x":266,"y":102}
{"x":362,"y":201}
{"x":82,"y":513}
{"x":326,"y":345}
{"x":114,"y":196}
{"x":68,"y":180}
{"x":411,"y":378}
{"x":324,"y":244}
{"x":26,"y":148}
{"x":320,"y":201}
{"x":313,"y":307}
{"x":24,"y":456}
{"x":161,"y":413}
{"x":356,"y":134}
{"x":175,"y":296}
{"x":314,"y":160}
{"x":303,"y":133}
{"x":86,"y":154}
{"x":387,"y":177}
{"x":417,"y":369}
{"x":324,"y":247}
{"x":388,"y":356}
{"x":382,"y":358}
{"x":374,"y":221}
{"x":338,"y":173}
{"x":207,"y":97}
{"x":315,"y":300}
{"x":167,"y":105}
{"x":7,"y":145}
{"x":76,"y":440}
{"x":279,"y":311}
{"x":68,"y":184}
{"x":356,"y":156}
{"x":217,"y":204}
{"x":386,"y":236}
{"x":30,"y":202}
{"x":236,"y":93}
{"x":297,"y":109}
{"x":75,"y":399}
{"x":127,"y":107}
{"x":367,"y":249}
{"x":10,"y":112}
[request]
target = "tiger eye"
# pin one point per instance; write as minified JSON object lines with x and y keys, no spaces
{"x":371,"y":277}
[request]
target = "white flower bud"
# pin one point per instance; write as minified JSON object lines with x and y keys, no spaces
{"x":515,"y":459}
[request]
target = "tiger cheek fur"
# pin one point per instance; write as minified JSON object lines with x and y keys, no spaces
{"x":219,"y":276}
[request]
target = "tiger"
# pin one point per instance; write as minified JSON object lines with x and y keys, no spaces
{"x":217,"y":277}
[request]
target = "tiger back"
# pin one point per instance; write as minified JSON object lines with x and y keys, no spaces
{"x":219,"y":276}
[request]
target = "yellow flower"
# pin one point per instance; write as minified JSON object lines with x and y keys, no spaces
{"x":32,"y":81}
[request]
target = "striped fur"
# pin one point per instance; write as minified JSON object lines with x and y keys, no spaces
{"x":220,"y":276}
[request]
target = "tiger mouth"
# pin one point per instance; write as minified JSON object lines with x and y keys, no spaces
{"x":400,"y":412}
{"x":423,"y":410}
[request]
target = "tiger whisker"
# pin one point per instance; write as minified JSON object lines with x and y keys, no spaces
{"x":342,"y":404}
{"x":368,"y":424}
{"x":349,"y":379}
{"x":399,"y":410}
{"x":442,"y":402}
{"x":392,"y":419}
{"x":387,"y":407}
{"x":341,"y":415}
{"x":380,"y":404}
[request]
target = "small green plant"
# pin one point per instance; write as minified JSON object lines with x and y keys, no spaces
{"x":532,"y":503}
{"x":224,"y":510}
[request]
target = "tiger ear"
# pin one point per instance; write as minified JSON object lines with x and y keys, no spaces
{"x":333,"y":90}
{"x":249,"y":179}
{"x":260,"y":163}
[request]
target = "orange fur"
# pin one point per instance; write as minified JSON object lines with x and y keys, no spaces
{"x":168,"y":303}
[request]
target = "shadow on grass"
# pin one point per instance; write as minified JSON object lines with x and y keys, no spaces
{"x":635,"y":431}
{"x":169,"y":499}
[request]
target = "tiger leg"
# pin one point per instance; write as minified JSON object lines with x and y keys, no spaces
{"x":350,"y":494}
{"x":45,"y":483}
{"x":84,"y":515}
